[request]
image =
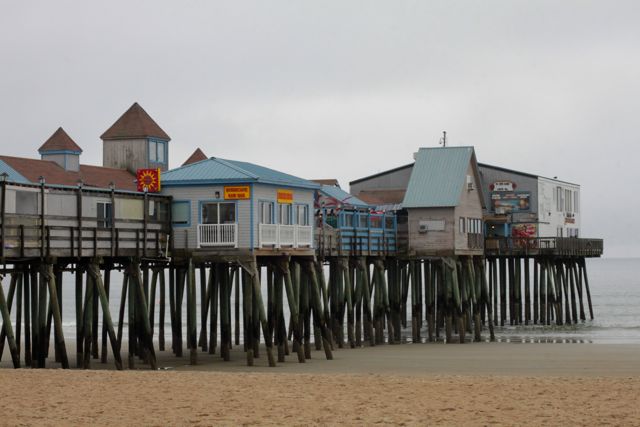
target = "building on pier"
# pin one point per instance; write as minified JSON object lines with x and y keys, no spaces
{"x":347,"y":225}
{"x":438,"y":199}
{"x":520,"y":204}
{"x":230,"y":206}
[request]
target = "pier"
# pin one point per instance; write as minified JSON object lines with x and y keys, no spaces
{"x":230,"y":253}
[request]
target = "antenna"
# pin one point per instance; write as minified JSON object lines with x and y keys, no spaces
{"x":443,"y":140}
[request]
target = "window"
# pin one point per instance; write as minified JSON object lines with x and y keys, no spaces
{"x":559,"y":199}
{"x":181,"y":213}
{"x":157,"y":210}
{"x":302,"y":214}
{"x":105,"y":214}
{"x":218,"y":213}
{"x":266,"y":212}
{"x":347,"y":219}
{"x":576,"y":201}
{"x":559,"y":231}
{"x":284,"y":214}
{"x":388,"y":223}
{"x":157,"y":152}
{"x":27,"y":202}
{"x":375,"y":221}
{"x":362,"y":221}
{"x":462,"y":225}
{"x":567,"y":201}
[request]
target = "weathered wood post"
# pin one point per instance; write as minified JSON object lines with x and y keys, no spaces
{"x":293,"y":308}
{"x":8,"y":329}
{"x":253,"y":271}
{"x":134,"y":274}
{"x":192,"y":339}
{"x":57,"y":318}
{"x":94,"y":271}
{"x":317,"y":309}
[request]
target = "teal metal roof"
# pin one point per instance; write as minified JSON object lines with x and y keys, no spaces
{"x":438,"y":177}
{"x":13,"y":175}
{"x":220,"y":171}
{"x":342,"y":196}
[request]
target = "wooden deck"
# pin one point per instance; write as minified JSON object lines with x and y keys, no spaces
{"x":544,"y":246}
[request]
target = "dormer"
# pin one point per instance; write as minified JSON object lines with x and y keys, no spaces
{"x":135,"y":141}
{"x":60,"y":148}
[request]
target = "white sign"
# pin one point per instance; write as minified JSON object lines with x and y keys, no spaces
{"x":503,"y":186}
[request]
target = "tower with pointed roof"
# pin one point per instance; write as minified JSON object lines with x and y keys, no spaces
{"x":135,"y":141}
{"x":63,"y":150}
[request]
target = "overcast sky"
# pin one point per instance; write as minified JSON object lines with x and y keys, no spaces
{"x":344,"y":89}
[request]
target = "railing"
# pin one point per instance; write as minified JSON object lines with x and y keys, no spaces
{"x":566,"y":246}
{"x":344,"y":241}
{"x":279,"y":235}
{"x":218,"y":235}
{"x":287,"y":235}
{"x":268,"y":234}
{"x":304,"y":236}
{"x":475,"y":241}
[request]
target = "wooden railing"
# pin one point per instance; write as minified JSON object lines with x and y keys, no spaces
{"x":563,"y":246}
{"x":33,"y":240}
{"x":354,"y":242}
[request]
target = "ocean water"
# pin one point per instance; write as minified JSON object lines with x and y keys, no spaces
{"x":615,"y":293}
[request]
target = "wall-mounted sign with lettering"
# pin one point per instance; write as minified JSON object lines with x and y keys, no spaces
{"x":237,"y":192}
{"x":285,"y":196}
{"x":510,"y":202}
{"x":503,"y":186}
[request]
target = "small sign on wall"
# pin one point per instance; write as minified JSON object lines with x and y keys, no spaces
{"x":237,"y":192}
{"x":285,"y":196}
{"x":148,"y":179}
{"x":503,"y":186}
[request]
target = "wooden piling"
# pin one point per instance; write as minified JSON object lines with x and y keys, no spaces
{"x":8,"y":329}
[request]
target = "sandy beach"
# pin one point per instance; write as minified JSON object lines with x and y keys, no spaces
{"x":479,"y":384}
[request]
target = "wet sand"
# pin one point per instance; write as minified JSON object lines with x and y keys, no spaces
{"x":471,"y":384}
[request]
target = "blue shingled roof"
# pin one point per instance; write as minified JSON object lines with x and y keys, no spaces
{"x":438,"y":177}
{"x":13,"y":175}
{"x":342,"y":196}
{"x":220,"y":171}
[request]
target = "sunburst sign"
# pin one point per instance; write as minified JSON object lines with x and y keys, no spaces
{"x":149,"y":179}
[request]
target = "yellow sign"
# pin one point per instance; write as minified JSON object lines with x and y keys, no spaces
{"x":285,"y":196}
{"x":237,"y":192}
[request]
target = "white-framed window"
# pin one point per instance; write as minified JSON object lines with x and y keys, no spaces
{"x":559,"y":234}
{"x":576,"y":201}
{"x":105,"y":214}
{"x":302,"y":214}
{"x":285,"y":215}
{"x":462,"y":225}
{"x":265,"y":212}
{"x":218,"y":213}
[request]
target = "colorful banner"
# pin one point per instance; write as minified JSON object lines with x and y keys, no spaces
{"x":149,"y":180}
{"x":237,"y":192}
{"x":524,"y":230}
{"x":510,"y":202}
{"x":285,"y":196}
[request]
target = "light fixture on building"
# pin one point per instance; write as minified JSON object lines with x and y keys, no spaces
{"x":217,"y":194}
{"x":4,"y":176}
